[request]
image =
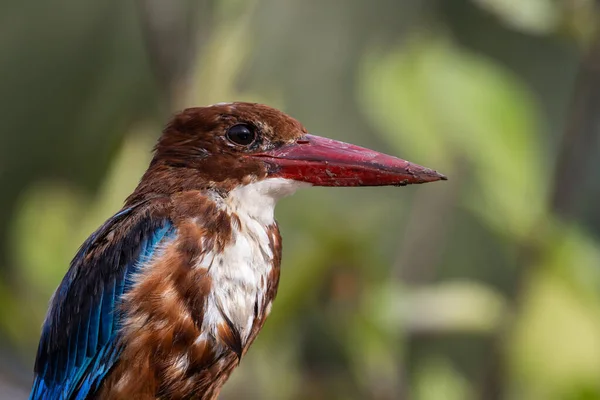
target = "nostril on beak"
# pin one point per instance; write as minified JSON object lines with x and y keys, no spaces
{"x":302,"y":141}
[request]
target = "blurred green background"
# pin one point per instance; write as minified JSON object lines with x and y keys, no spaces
{"x":483,"y":287}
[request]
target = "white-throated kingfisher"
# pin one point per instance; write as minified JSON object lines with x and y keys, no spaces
{"x":164,"y":299}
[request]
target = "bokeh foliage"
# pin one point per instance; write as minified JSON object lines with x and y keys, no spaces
{"x":482,"y":287}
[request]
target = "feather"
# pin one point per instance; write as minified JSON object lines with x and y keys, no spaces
{"x":79,"y":342}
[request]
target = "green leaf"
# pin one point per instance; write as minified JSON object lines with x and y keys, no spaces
{"x":531,"y":16}
{"x":446,"y":107}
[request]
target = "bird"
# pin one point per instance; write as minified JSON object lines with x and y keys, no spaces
{"x":166,"y":297}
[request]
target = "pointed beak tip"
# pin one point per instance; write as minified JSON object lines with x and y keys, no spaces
{"x":439,"y":176}
{"x":426,"y":175}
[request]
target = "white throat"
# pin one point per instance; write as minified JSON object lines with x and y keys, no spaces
{"x":242,"y":269}
{"x":257,"y":200}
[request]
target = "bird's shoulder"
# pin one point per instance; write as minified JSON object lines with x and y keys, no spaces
{"x":145,"y":307}
{"x":77,"y":345}
{"x":182,"y":332}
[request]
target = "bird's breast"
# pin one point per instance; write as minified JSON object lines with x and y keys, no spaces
{"x":194,"y":310}
{"x":242,"y":272}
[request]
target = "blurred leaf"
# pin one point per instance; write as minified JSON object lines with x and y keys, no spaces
{"x":374,"y":349}
{"x":437,"y":380}
{"x":442,"y":103}
{"x":574,"y":256}
{"x":531,"y":16}
{"x":439,"y":308}
{"x":16,"y":319}
{"x":46,"y":233}
{"x":455,"y":307}
{"x":555,"y":349}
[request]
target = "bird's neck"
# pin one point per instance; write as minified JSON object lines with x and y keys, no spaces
{"x":257,"y":200}
{"x":211,"y":287}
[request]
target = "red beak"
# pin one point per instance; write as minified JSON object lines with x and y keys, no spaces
{"x":326,"y":162}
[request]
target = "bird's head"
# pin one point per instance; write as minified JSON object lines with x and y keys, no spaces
{"x":227,"y":146}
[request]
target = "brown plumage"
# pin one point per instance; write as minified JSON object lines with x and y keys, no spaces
{"x":191,"y":265}
{"x":165,"y":312}
{"x":193,"y":152}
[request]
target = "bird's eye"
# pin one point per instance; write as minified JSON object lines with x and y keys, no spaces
{"x":241,"y":134}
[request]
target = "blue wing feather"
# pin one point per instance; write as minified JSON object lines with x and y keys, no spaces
{"x":79,"y":343}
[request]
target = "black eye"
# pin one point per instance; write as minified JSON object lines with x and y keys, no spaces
{"x":241,"y":134}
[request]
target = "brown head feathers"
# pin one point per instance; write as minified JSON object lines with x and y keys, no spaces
{"x":196,"y":153}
